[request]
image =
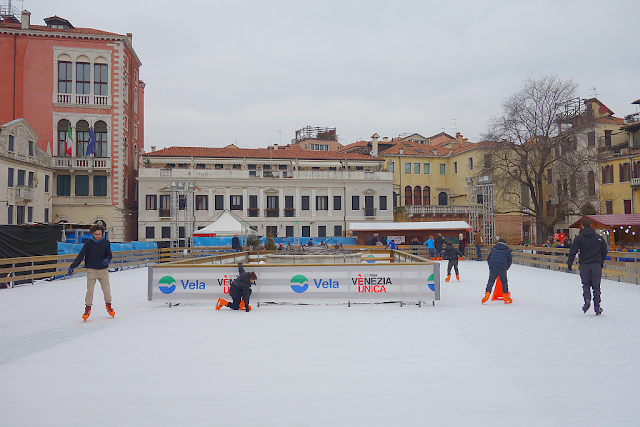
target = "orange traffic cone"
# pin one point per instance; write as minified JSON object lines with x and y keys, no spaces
{"x":497,"y":290}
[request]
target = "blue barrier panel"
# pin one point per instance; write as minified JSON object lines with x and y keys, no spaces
{"x":144,"y":245}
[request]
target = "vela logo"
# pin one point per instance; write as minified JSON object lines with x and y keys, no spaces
{"x":303,"y":283}
{"x":431,"y":283}
{"x":167,"y":280}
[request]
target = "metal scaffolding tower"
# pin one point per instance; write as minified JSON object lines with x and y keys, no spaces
{"x":482,"y":209}
{"x":179,"y":192}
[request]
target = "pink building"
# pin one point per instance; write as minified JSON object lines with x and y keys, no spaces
{"x":83,"y":83}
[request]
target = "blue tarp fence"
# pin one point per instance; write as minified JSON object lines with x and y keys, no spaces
{"x":75,"y":248}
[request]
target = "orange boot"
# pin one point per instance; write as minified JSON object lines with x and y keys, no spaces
{"x":110,"y":310}
{"x":87,"y":312}
{"x":458,"y":277}
{"x":242,"y":306}
{"x":507,"y":298}
{"x":220,"y":303}
{"x":448,"y":278}
{"x":487,"y":295}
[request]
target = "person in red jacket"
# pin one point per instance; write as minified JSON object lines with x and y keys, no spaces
{"x":96,"y":253}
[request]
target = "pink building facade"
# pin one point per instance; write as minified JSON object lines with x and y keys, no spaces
{"x":86,"y":83}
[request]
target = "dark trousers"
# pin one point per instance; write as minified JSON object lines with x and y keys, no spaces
{"x":591,"y":275}
{"x":239,"y":294}
{"x":502,"y":274}
{"x":439,"y":252}
{"x":479,"y":253}
{"x":452,"y":263}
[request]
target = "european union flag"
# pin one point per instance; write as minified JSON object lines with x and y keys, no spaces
{"x":91,"y":145}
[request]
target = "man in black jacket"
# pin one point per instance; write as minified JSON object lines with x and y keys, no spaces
{"x":593,"y":253}
{"x":499,"y":261}
{"x":235,"y":243}
{"x":240,"y":290}
{"x":96,"y":253}
{"x":452,"y":254}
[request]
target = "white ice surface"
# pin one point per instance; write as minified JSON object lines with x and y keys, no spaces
{"x":537,"y":362}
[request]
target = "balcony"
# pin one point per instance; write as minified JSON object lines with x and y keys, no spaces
{"x":289,"y":212}
{"x":95,"y":101}
{"x":271,"y":213}
{"x":82,"y":163}
{"x":436,"y":210}
{"x":369,"y":212}
{"x":253,"y":212}
{"x":635,"y":182}
{"x":24,"y":192}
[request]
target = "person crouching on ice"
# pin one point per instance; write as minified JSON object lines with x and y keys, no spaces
{"x":499,"y":261}
{"x":240,"y":290}
{"x":451,"y":254}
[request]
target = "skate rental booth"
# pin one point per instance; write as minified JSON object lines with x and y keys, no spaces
{"x":406,"y":279}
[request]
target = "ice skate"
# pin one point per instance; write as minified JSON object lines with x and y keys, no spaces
{"x":458,"y":277}
{"x":220,"y":303}
{"x":586,"y":306}
{"x":242,"y":307}
{"x":448,"y":278}
{"x":597,"y":309}
{"x":507,"y":298}
{"x":487,"y":295}
{"x":110,"y":310}
{"x":87,"y":312}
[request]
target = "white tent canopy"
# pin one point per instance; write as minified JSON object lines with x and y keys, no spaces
{"x":227,"y":225}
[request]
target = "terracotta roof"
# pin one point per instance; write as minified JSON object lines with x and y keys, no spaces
{"x":611,"y":120}
{"x":608,"y":221}
{"x":259,"y":153}
{"x":355,"y":144}
{"x":410,"y":148}
{"x":58,"y":30}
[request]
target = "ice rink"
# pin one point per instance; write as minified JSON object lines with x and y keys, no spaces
{"x":537,"y":362}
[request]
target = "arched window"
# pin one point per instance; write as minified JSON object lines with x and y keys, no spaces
{"x":591,"y":184}
{"x":63,"y":128}
{"x":408,"y":195}
{"x":443,"y":199}
{"x":100,"y":134}
{"x":417,"y":195}
{"x":426,"y":195}
{"x":82,"y":138}
{"x":625,"y":172}
{"x":607,"y":174}
{"x":83,"y":76}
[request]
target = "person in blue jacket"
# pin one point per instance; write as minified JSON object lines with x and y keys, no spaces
{"x":430,"y":246}
{"x":391,"y":245}
{"x":96,"y":253}
{"x":499,"y":261}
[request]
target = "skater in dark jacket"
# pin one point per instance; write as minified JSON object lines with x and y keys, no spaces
{"x":593,"y":253}
{"x":240,"y":290}
{"x":452,"y":254}
{"x":96,"y":253}
{"x":438,"y":244}
{"x":499,"y":261}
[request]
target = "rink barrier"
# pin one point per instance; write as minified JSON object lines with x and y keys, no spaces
{"x":406,"y":279}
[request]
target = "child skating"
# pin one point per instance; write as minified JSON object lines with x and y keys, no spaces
{"x":499,"y":261}
{"x":452,"y":254}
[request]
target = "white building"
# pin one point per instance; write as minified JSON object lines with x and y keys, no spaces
{"x":281,"y":192}
{"x":26,"y":176}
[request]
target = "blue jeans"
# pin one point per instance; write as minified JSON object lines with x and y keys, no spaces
{"x":478,"y":253}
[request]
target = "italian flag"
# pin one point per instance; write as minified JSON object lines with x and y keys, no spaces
{"x":68,"y":142}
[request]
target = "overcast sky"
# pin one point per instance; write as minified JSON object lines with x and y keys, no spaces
{"x":223,"y":72}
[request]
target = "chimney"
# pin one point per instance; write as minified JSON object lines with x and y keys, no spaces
{"x":26,"y":19}
{"x":374,"y":144}
{"x":385,"y":139}
{"x":275,"y":146}
{"x":130,"y":37}
{"x":153,"y":148}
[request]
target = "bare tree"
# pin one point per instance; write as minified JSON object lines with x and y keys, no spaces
{"x":526,"y":144}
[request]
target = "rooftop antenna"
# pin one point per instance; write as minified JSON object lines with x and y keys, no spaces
{"x":453,"y":124}
{"x":595,"y":93}
{"x":280,"y":132}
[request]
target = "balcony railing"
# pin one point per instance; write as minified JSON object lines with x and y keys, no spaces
{"x":635,"y":182}
{"x":369,"y":212}
{"x":101,"y":163}
{"x":85,"y":100}
{"x":272,"y":213}
{"x":289,"y":212}
{"x":253,"y":212}
{"x":436,"y":210}
{"x":24,"y":192}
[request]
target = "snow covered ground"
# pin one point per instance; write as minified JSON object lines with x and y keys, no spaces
{"x":537,"y":362}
